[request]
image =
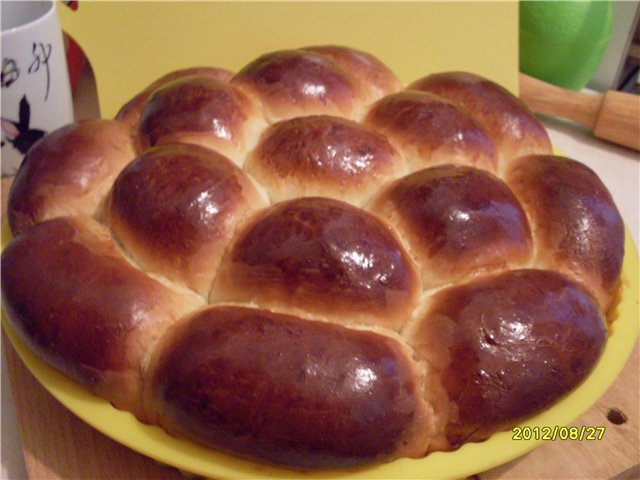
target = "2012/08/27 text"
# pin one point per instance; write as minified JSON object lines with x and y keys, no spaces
{"x":557,"y":432}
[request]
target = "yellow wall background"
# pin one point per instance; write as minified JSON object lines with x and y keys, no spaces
{"x":130,"y":44}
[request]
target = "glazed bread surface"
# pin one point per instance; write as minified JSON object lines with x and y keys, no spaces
{"x":309,"y":264}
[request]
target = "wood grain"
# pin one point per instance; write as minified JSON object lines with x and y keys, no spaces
{"x":547,"y":99}
{"x":619,"y":119}
{"x":611,"y":116}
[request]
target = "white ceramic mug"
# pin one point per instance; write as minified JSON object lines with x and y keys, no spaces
{"x":36,"y":93}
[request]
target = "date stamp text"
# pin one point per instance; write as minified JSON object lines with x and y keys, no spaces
{"x":557,"y":432}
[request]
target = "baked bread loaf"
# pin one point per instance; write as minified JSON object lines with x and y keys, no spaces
{"x":309,"y":264}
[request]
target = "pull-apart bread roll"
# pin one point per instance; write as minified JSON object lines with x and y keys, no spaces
{"x":458,"y":221}
{"x":501,"y":348}
{"x":130,"y":112}
{"x":308,"y":264}
{"x":324,"y":155}
{"x":204,"y":111}
{"x":509,"y":122}
{"x":317,"y":80}
{"x":576,"y":225}
{"x":69,"y":172}
{"x":373,"y":76}
{"x":297,"y":254}
{"x":430,"y":130}
{"x":289,"y":391}
{"x":175,"y":209}
{"x":91,"y":314}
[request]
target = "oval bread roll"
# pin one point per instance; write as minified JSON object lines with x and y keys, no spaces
{"x":495,"y":341}
{"x":92,"y":315}
{"x":577,"y":227}
{"x":338,"y":396}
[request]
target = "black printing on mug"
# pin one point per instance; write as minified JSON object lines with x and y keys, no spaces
{"x":41,"y":52}
{"x":19,"y":134}
{"x":10,"y":72}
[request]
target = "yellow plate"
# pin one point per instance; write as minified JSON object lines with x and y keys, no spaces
{"x":470,"y":459}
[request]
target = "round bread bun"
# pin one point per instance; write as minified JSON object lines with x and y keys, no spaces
{"x":292,"y":83}
{"x":459,"y":221}
{"x":296,"y":254}
{"x":69,"y":172}
{"x":375,"y":77}
{"x":324,"y":155}
{"x":130,"y":112}
{"x":176,"y":208}
{"x":305,"y":264}
{"x":430,"y":130}
{"x":513,"y":127}
{"x":204,"y":111}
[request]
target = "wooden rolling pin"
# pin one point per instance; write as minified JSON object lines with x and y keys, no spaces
{"x":612,"y":116}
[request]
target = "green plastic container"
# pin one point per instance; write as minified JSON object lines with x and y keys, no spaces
{"x":563,"y":42}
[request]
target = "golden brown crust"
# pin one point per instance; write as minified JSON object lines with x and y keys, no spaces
{"x":430,"y":130}
{"x":298,"y":253}
{"x":306,"y":265}
{"x":503,"y":348}
{"x":373,"y":75}
{"x":513,"y":127}
{"x":130,"y":112}
{"x":337,"y":397}
{"x":323,"y":155}
{"x":577,"y":227}
{"x":92,"y":314}
{"x":203,"y":111}
{"x":458,"y":221}
{"x":291,"y":83}
{"x":176,"y":209}
{"x":69,"y":172}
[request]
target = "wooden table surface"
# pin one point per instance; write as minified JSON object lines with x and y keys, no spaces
{"x":59,"y":446}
